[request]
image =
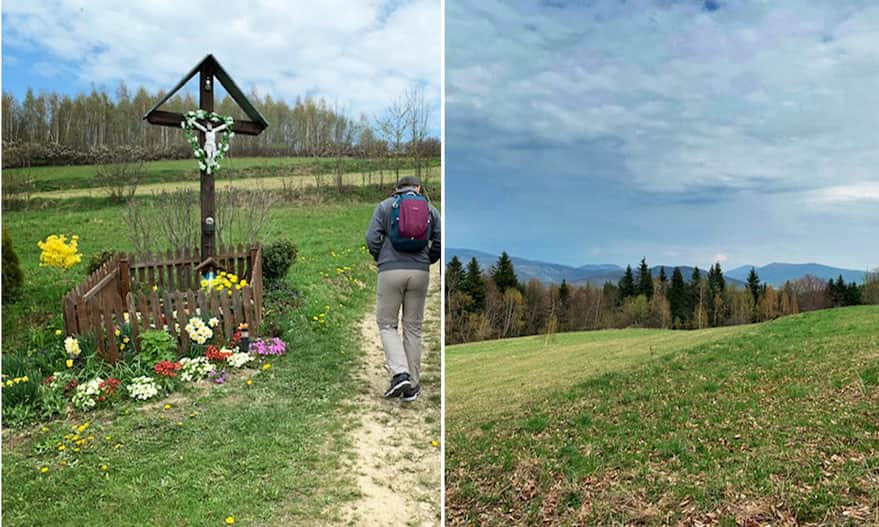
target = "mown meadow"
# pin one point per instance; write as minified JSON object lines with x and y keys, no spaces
{"x":772,"y":423}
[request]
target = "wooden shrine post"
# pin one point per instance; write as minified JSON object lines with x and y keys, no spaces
{"x":209,"y":70}
{"x":208,"y":195}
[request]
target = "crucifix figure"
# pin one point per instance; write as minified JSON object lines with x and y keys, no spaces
{"x":208,"y":70}
{"x":210,"y":141}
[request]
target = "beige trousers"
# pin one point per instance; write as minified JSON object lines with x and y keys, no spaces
{"x":406,"y":289}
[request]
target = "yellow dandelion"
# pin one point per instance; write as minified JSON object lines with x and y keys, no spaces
{"x":61,"y":447}
{"x":155,"y":288}
{"x":249,"y":382}
{"x":230,"y":520}
{"x":117,"y":446}
{"x":44,"y":470}
{"x":434,"y":443}
{"x":117,"y":332}
{"x":76,"y":450}
{"x":44,"y":429}
{"x":68,"y":362}
{"x":266,"y":366}
{"x":57,"y":332}
{"x":167,"y":407}
{"x":105,"y":468}
{"x":108,"y":438}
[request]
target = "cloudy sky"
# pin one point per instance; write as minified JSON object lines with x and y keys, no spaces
{"x":360,"y":55}
{"x":684,"y":131}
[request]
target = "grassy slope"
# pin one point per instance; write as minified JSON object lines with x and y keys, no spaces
{"x":763,"y":423}
{"x":268,"y":454}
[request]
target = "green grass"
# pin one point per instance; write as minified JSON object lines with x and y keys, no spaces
{"x":49,"y":179}
{"x":268,"y":454}
{"x":752,"y":424}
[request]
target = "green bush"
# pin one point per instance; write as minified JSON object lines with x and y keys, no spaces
{"x":97,"y":260}
{"x":13,"y":278}
{"x":155,"y":346}
{"x":277,"y":258}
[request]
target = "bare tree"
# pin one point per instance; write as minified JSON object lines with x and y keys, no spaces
{"x":393,"y":125}
{"x":418,"y":119}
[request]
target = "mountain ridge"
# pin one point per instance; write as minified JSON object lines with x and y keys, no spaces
{"x":775,"y":273}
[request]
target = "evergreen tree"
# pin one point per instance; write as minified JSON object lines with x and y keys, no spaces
{"x":564,"y":293}
{"x":503,"y":274}
{"x":473,"y":285}
{"x":564,"y":297}
{"x":645,"y":280}
{"x":662,"y":278}
{"x":840,"y":290}
{"x":754,"y":285}
{"x":852,"y":295}
{"x":454,"y":276}
{"x":677,"y":297}
{"x":627,"y":284}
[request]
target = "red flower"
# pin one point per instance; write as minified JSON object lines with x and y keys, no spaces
{"x":167,"y":368}
{"x":216,"y":355}
{"x":49,"y":380}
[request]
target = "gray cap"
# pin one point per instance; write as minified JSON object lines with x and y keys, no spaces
{"x":408,"y":181}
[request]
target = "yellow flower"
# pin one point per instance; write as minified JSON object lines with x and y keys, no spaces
{"x":83,"y":427}
{"x":155,"y":288}
{"x":62,"y":462}
{"x":9,"y":382}
{"x":167,"y":407}
{"x":57,"y":332}
{"x":230,"y":520}
{"x":117,"y":332}
{"x":249,"y":382}
{"x":105,"y":468}
{"x":108,"y":438}
{"x":126,"y":340}
{"x":44,"y":429}
{"x":243,"y":283}
{"x":24,"y":379}
{"x":434,"y":443}
{"x":44,"y":470}
{"x":117,"y":446}
{"x":121,"y":346}
{"x":61,"y":447}
{"x":76,"y":450}
{"x":266,"y":366}
{"x":56,"y":252}
{"x":69,"y":363}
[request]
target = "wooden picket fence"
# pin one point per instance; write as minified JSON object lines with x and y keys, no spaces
{"x":163,"y":291}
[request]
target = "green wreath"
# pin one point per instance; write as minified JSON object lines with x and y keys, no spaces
{"x":188,"y":124}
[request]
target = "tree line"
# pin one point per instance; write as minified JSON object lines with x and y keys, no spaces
{"x":493,"y":303}
{"x":53,"y":128}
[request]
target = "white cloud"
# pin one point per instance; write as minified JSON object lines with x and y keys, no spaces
{"x":357,"y":54}
{"x":753,"y":96}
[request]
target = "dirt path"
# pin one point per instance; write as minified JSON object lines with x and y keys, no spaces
{"x":396,"y":464}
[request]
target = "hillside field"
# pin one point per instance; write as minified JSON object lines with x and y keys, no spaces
{"x":774,"y":423}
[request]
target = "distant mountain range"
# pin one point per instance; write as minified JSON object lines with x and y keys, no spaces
{"x":597,"y":274}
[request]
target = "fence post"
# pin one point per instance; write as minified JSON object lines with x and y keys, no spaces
{"x":124,"y":276}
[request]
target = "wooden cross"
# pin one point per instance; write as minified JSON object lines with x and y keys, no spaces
{"x":208,"y":70}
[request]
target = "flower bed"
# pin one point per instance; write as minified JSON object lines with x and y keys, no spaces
{"x":165,"y":292}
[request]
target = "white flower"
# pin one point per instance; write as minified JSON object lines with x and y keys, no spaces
{"x":238,"y":360}
{"x":84,"y":397}
{"x":71,"y":346}
{"x":214,"y":322}
{"x":195,"y":369}
{"x":143,"y":388}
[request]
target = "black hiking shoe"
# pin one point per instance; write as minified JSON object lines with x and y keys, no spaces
{"x":399,"y":383}
{"x":411,"y":393}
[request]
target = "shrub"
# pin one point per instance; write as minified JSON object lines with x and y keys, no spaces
{"x":13,"y":278}
{"x":99,"y":259}
{"x":277,"y":258}
{"x":156,"y":346}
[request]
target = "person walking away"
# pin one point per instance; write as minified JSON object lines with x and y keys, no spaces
{"x":404,"y":239}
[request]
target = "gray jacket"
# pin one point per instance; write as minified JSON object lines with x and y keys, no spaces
{"x":386,"y":257}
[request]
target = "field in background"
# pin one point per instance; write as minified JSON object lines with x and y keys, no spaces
{"x":771,"y":423}
{"x":49,"y":179}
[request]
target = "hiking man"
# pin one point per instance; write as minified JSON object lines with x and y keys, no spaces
{"x":404,"y":239}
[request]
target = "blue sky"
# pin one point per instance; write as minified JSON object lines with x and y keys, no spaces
{"x":359,"y":55}
{"x":688,"y":132}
